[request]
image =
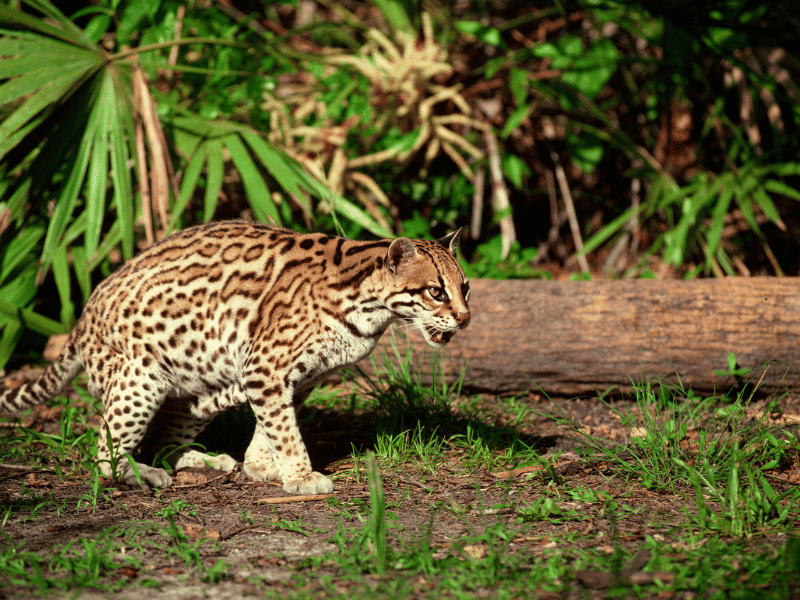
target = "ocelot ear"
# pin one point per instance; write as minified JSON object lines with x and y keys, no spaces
{"x":451,"y":240}
{"x":401,"y":251}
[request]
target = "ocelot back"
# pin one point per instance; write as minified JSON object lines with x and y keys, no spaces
{"x":234,"y":312}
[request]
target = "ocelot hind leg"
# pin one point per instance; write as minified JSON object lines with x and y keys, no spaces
{"x":129,"y":405}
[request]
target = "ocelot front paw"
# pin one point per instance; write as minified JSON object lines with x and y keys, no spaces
{"x":261,"y":470}
{"x":313,"y":483}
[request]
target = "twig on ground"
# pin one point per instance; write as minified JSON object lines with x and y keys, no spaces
{"x":505,"y":510}
{"x":202,"y":483}
{"x":22,"y":470}
{"x":519,"y":471}
{"x":238,"y":530}
{"x":631,"y":574}
{"x":414,"y":481}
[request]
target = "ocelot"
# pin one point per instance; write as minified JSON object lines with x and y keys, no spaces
{"x":233,"y":312}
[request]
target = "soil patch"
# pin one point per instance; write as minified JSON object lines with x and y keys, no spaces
{"x":217,"y":535}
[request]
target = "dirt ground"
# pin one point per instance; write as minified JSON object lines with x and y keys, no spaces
{"x":265,"y":544}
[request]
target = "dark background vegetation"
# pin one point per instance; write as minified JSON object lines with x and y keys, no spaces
{"x":569,"y":139}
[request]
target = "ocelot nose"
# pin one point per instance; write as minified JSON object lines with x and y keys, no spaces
{"x":462,"y":319}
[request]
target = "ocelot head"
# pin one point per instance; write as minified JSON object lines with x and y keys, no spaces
{"x":429,"y":287}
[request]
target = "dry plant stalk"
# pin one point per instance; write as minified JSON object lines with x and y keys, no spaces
{"x":141,"y":164}
{"x":161,"y":173}
{"x":500,"y":201}
{"x":406,"y":70}
{"x":173,"y":52}
{"x":5,"y":218}
{"x":569,"y":206}
{"x":477,"y":204}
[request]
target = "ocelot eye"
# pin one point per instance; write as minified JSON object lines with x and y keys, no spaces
{"x":437,"y":294}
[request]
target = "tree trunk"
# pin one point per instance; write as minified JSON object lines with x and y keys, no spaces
{"x":569,"y":338}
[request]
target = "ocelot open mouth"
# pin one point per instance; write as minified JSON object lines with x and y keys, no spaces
{"x":439,"y":337}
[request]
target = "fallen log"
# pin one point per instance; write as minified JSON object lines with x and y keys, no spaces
{"x":571,"y":338}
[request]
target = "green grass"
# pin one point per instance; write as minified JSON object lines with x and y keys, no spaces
{"x":727,"y":532}
{"x":728,"y":461}
{"x":728,"y":496}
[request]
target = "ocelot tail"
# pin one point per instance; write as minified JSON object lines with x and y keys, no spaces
{"x":233,"y":312}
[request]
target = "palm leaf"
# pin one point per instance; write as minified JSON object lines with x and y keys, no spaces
{"x":189,"y":183}
{"x":254,"y":185}
{"x":68,"y":31}
{"x":98,"y":173}
{"x":76,"y":173}
{"x":119,"y":130}
{"x":19,"y":251}
{"x":213,"y":148}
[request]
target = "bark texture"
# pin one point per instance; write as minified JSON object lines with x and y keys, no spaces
{"x":570,"y":338}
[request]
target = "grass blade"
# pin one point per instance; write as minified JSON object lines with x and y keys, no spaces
{"x":70,"y":33}
{"x":718,"y":219}
{"x":609,"y":230}
{"x":778,"y":187}
{"x":377,"y":521}
{"x":12,"y":332}
{"x":79,"y":266}
{"x":20,"y":249}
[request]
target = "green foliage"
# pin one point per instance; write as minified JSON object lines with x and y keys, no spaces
{"x":85,"y":156}
{"x":547,"y":510}
{"x":535,"y":535}
{"x":732,"y":456}
{"x":403,"y":401}
{"x":700,"y":210}
{"x":82,"y":563}
{"x":377,"y":519}
{"x":747,"y":503}
{"x":597,"y":77}
{"x":489,"y":262}
{"x":132,"y":118}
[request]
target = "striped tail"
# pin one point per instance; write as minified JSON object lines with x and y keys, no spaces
{"x":54,"y":379}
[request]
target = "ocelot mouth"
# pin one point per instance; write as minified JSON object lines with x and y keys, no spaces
{"x":439,"y":337}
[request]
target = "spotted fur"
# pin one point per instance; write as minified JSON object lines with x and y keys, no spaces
{"x":233,"y":312}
